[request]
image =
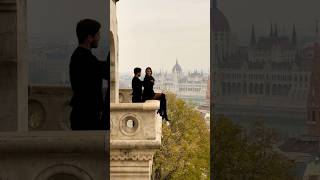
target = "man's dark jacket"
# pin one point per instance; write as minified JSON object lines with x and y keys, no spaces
{"x":136,"y":85}
{"x":86,"y":76}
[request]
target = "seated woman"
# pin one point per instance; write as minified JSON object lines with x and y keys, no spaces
{"x":149,"y":94}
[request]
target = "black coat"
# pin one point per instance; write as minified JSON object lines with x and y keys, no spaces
{"x":136,"y":85}
{"x":86,"y":75}
{"x":148,"y":92}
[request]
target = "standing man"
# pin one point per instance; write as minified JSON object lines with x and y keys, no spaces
{"x":136,"y":86}
{"x":86,"y":75}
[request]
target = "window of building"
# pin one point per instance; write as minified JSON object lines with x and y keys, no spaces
{"x":313,"y":116}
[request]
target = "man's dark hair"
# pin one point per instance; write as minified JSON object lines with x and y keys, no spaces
{"x":87,"y":27}
{"x":137,"y":70}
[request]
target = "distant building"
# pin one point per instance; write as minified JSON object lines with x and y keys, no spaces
{"x":266,"y":80}
{"x":191,"y":86}
{"x":313,"y":105}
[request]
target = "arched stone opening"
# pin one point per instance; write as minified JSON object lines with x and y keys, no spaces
{"x":63,"y":172}
{"x":114,"y":90}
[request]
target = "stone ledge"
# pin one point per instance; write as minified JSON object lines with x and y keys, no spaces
{"x":55,"y":142}
{"x":146,"y":131}
{"x":147,"y":106}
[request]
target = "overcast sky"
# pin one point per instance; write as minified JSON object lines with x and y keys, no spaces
{"x":55,"y":20}
{"x":243,"y":13}
{"x":156,"y":32}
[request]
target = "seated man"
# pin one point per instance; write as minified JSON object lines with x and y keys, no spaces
{"x":136,"y":86}
{"x":86,"y":75}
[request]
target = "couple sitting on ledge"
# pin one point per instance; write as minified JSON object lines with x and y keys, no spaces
{"x":90,"y":111}
{"x":147,"y":94}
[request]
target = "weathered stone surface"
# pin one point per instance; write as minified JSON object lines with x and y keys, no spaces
{"x":125,"y":95}
{"x":44,"y":153}
{"x":40,"y":155}
{"x":135,"y":135}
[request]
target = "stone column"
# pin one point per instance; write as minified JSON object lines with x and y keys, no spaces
{"x":13,"y":66}
{"x":113,"y":39}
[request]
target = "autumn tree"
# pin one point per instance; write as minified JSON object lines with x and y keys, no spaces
{"x":185,"y":149}
{"x":240,"y":155}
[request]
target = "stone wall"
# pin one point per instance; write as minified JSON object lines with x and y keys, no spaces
{"x":49,"y":155}
{"x":50,"y":151}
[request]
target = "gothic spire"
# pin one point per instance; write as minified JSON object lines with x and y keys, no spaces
{"x":294,"y":35}
{"x":253,"y":36}
{"x":271,"y":30}
{"x":317,"y":27}
{"x":276,"y":30}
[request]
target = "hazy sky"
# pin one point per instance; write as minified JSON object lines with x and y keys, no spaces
{"x":55,"y":20}
{"x":243,"y":13}
{"x":156,"y":32}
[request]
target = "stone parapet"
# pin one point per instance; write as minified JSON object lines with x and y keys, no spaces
{"x":46,"y":155}
{"x":54,"y":142}
{"x":135,"y":136}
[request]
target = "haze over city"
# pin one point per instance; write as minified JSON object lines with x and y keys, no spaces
{"x":156,"y":33}
{"x":242,"y":14}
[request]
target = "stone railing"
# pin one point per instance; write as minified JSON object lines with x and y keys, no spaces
{"x":135,"y":136}
{"x":135,"y":127}
{"x":43,"y":155}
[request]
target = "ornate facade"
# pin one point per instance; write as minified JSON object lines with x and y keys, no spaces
{"x":267,"y":80}
{"x":313,"y":105}
{"x":191,"y":85}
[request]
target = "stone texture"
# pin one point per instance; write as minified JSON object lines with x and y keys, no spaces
{"x":40,"y":155}
{"x":114,"y":53}
{"x":44,"y":153}
{"x":134,"y":144}
{"x":125,"y":95}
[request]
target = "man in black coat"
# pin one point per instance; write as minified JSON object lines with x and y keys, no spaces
{"x":136,"y":86}
{"x":86,"y":76}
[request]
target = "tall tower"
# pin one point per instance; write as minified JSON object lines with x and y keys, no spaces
{"x":220,"y":29}
{"x":271,"y":30}
{"x":294,"y":36}
{"x":276,"y":30}
{"x":317,"y":28}
{"x":253,"y":37}
{"x":313,"y":102}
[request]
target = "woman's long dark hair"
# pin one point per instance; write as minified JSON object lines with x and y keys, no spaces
{"x":149,"y":69}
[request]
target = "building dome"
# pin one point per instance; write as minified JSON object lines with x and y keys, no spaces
{"x":219,"y":21}
{"x":177,"y":68}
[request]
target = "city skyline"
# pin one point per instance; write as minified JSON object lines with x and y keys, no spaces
{"x":167,"y":69}
{"x":285,"y":14}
